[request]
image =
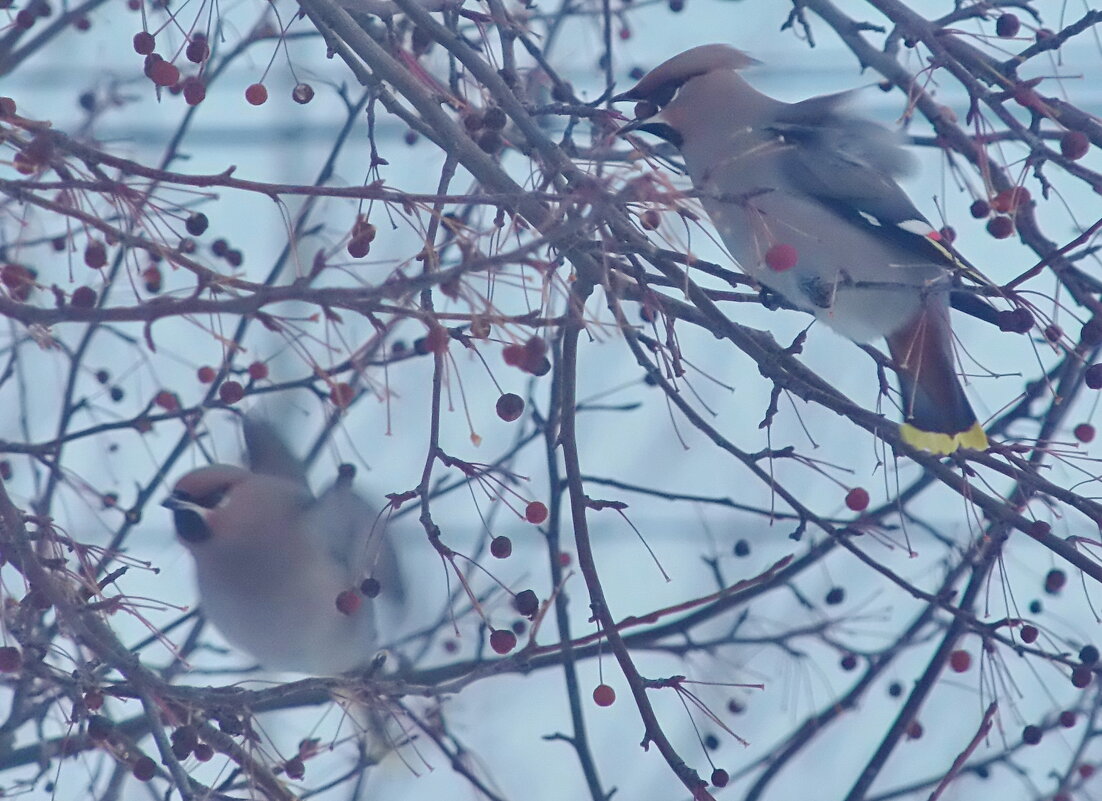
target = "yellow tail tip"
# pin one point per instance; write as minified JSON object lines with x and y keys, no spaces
{"x":942,"y":444}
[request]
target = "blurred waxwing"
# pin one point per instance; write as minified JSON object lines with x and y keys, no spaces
{"x":271,"y":560}
{"x":804,"y":196}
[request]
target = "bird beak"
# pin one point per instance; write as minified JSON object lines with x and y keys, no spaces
{"x":176,"y":503}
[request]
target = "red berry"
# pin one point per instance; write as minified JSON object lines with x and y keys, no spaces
{"x":1086,"y":770}
{"x":603,"y":695}
{"x":144,"y":768}
{"x":197,"y":51}
{"x":95,"y":255}
{"x":848,"y":662}
{"x":1084,"y":432}
{"x":510,"y":407}
{"x":371,"y":587}
{"x":83,"y":297}
{"x":11,"y":659}
{"x":258,"y":371}
{"x":1000,"y":227}
{"x":358,"y":247}
{"x":857,"y":499}
{"x":1067,"y":719}
{"x":166,"y":400}
{"x":256,"y":94}
{"x":144,"y":43}
{"x":720,"y":777}
{"x":650,"y":219}
{"x":914,"y":730}
{"x":1093,"y":376}
{"x":502,"y":641}
{"x":203,"y":752}
{"x":1074,"y":145}
{"x":206,"y":374}
{"x":1029,"y":633}
{"x":348,"y":602}
{"x":164,"y":73}
{"x":781,"y":257}
{"x":1031,"y":735}
{"x":535,"y":512}
{"x":501,"y":547}
{"x":1039,"y":529}
{"x":93,"y":700}
{"x":1008,"y":200}
{"x":231,"y":392}
{"x":342,"y":395}
{"x":514,"y":355}
{"x":1081,"y":677}
{"x":960,"y":660}
{"x":1055,"y":581}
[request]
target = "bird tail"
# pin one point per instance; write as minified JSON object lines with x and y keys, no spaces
{"x":937,"y":415}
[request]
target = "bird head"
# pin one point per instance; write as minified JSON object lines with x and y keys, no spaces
{"x":198,"y":495}
{"x":669,"y":98}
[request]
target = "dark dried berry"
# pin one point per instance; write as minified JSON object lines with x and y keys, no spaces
{"x":1008,"y":25}
{"x":490,"y":141}
{"x":1000,"y":227}
{"x":1015,"y":321}
{"x":510,"y":407}
{"x":196,"y":224}
{"x":493,"y":117}
{"x":526,"y":603}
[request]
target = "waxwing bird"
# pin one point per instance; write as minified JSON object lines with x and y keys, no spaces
{"x":804,"y":196}
{"x":271,"y":560}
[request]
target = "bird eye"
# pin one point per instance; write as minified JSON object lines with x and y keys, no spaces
{"x":662,"y":96}
{"x":645,"y":109}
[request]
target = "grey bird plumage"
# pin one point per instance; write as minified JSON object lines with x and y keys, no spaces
{"x":804,"y":196}
{"x":271,"y":559}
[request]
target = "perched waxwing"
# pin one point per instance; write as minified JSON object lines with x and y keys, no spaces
{"x":271,"y":560}
{"x":804,"y":197}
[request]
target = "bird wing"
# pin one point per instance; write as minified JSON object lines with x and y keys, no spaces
{"x":356,"y":536}
{"x":850,"y":164}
